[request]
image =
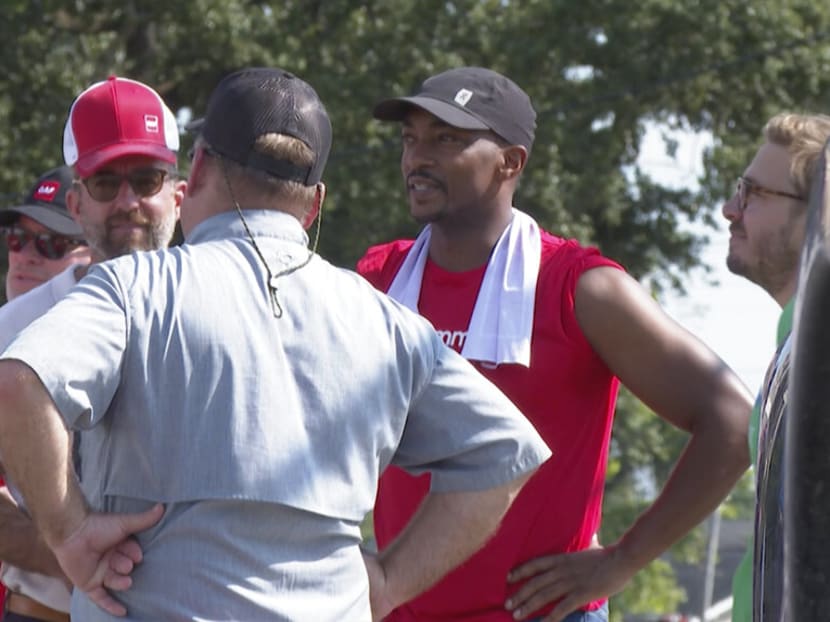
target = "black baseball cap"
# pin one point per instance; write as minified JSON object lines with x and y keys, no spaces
{"x":470,"y":98}
{"x":262,"y":100}
{"x":46,"y":204}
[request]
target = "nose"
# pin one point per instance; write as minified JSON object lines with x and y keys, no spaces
{"x":731,"y":210}
{"x":126,"y":199}
{"x":415,"y":155}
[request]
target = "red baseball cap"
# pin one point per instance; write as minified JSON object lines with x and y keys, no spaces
{"x":115,"y":118}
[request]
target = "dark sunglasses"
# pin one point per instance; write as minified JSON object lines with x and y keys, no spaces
{"x":746,"y":187}
{"x":145,"y":182}
{"x":48,"y":245}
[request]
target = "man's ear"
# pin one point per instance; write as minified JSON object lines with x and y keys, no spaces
{"x":196,"y":177}
{"x":514,"y":161}
{"x":316,"y":206}
{"x":179,"y":192}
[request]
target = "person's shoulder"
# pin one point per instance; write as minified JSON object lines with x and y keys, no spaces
{"x":380,"y":263}
{"x":564,"y":253}
{"x":44,"y":295}
{"x":17,"y":314}
{"x":138,"y":274}
{"x":380,"y":254}
{"x":374,"y":306}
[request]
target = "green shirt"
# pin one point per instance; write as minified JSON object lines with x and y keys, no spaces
{"x":742,"y":581}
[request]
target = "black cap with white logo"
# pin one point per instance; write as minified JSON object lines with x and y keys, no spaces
{"x":471,"y":98}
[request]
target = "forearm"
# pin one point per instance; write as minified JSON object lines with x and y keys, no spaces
{"x":714,"y":459}
{"x":21,"y":544}
{"x":446,"y":530}
{"x":36,"y":451}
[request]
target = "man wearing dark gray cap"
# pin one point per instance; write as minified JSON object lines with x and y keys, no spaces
{"x":41,"y":236}
{"x":556,"y":326}
{"x":257,"y":392}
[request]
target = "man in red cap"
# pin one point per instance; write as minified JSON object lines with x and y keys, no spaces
{"x":121,"y":131}
{"x":121,"y":140}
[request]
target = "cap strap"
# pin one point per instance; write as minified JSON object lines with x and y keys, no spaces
{"x":279,"y":168}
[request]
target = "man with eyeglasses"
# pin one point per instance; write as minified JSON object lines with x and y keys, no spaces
{"x":767,"y":221}
{"x":41,"y":237}
{"x":122,"y":189}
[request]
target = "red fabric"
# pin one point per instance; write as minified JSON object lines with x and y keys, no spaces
{"x":115,"y":118}
{"x":567,"y":393}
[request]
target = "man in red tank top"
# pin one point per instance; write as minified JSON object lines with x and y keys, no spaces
{"x":556,"y":326}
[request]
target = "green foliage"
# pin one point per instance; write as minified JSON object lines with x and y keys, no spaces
{"x":597,"y":71}
{"x":652,"y":589}
{"x":643,"y":451}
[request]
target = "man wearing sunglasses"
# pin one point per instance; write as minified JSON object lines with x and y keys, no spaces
{"x":41,"y":237}
{"x":124,"y":194}
{"x":43,"y":241}
{"x":767,"y":221}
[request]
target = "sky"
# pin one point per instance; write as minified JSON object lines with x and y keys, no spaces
{"x":733,"y":316}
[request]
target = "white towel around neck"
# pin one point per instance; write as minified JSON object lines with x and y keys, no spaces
{"x":502,"y":321}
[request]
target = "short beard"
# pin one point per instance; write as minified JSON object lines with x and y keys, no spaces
{"x":157,"y":235}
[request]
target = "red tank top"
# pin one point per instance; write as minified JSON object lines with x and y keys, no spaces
{"x":567,"y":393}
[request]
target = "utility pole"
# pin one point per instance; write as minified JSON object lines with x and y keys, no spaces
{"x":711,"y":562}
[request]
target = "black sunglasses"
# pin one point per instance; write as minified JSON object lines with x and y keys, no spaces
{"x":48,"y":245}
{"x":145,"y":182}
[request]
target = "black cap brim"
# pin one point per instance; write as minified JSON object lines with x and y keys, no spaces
{"x":49,"y":218}
{"x":397,"y":108}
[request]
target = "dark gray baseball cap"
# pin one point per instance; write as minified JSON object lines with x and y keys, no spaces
{"x":470,"y":98}
{"x":46,"y":204}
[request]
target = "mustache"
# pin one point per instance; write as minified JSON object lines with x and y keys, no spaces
{"x":736,"y":228}
{"x":422,"y":174}
{"x":128,"y":218}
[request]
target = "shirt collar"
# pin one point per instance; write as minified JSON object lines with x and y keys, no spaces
{"x":261,"y":222}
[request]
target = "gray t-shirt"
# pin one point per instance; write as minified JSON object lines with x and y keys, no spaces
{"x":265,"y":436}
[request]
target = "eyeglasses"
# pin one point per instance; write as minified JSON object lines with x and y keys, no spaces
{"x":746,"y":187}
{"x":48,"y":245}
{"x":145,"y":182}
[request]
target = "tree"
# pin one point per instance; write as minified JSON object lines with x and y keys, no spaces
{"x":597,"y":70}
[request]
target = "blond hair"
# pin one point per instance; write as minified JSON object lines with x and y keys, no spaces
{"x":804,"y":137}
